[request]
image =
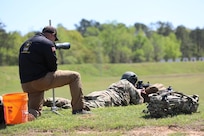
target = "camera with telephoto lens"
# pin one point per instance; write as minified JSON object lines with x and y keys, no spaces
{"x":65,"y":45}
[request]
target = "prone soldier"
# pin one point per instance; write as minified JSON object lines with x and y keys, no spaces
{"x":121,"y":93}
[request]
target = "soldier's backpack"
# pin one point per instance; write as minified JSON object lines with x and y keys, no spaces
{"x":170,"y":103}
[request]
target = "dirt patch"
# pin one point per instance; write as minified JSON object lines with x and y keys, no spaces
{"x":163,"y":131}
{"x":196,"y":129}
{"x":144,"y":131}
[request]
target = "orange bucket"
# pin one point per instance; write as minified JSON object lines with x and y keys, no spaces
{"x":15,"y":108}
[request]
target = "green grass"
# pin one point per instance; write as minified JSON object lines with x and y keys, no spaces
{"x":186,"y":77}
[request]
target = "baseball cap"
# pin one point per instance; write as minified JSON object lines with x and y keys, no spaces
{"x":50,"y":29}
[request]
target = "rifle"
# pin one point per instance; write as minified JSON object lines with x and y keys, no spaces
{"x":141,"y":85}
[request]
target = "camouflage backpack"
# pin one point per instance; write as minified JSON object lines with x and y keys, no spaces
{"x":165,"y":103}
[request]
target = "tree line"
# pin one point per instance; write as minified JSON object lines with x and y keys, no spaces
{"x":92,"y":42}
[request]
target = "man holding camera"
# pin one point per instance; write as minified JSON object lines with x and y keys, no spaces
{"x":38,"y":72}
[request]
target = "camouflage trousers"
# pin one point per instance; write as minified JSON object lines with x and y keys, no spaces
{"x":105,"y":98}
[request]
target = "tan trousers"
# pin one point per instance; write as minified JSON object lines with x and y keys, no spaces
{"x":36,"y":88}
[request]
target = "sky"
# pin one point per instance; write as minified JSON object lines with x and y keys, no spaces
{"x":25,"y":15}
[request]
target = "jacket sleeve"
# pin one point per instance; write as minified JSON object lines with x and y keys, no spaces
{"x":135,"y":94}
{"x":50,"y":57}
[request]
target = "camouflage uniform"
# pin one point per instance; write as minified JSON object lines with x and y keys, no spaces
{"x":121,"y":93}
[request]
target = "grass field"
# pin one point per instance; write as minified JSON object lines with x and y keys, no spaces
{"x":186,"y":77}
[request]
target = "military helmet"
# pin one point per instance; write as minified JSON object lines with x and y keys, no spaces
{"x":130,"y":76}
